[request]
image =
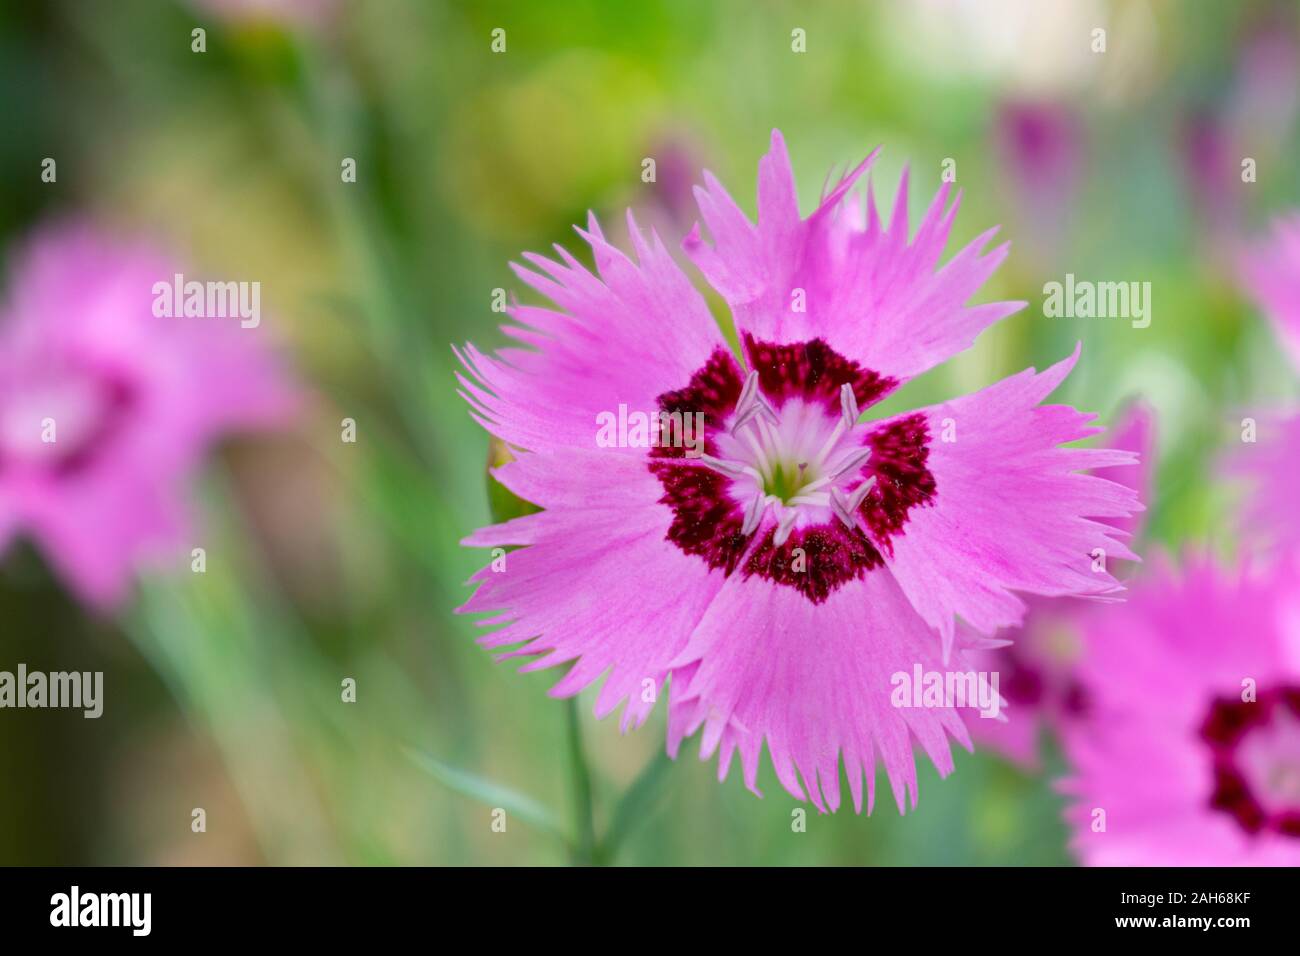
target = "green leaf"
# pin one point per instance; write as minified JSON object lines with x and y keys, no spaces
{"x":503,"y":504}
{"x":490,"y":793}
{"x":637,"y":804}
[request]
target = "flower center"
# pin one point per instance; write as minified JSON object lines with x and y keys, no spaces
{"x":799,"y":463}
{"x":791,"y":486}
{"x":785,"y":480}
{"x":1255,"y":748}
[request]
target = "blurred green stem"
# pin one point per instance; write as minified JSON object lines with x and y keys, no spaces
{"x":585,"y":850}
{"x":636,"y":805}
{"x":327,"y":105}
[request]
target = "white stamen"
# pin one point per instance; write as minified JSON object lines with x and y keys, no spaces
{"x":748,"y":391}
{"x":766,"y":435}
{"x":851,"y":463}
{"x":760,"y":454}
{"x":768,"y":411}
{"x":745,"y":417}
{"x":754,"y":514}
{"x":785,"y":526}
{"x":834,"y":437}
{"x":840,"y":508}
{"x":732,"y":469}
{"x":817,"y":485}
{"x":745,"y":407}
{"x":752,"y":402}
{"x":845,"y":507}
{"x":848,"y":405}
{"x":860,"y":494}
{"x":820,"y":499}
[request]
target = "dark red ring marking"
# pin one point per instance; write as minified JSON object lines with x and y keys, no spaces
{"x":1229,"y":720}
{"x":707,"y":521}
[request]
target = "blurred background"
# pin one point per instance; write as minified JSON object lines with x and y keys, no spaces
{"x":330,"y":560}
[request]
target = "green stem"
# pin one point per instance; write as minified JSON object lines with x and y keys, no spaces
{"x":385,"y":291}
{"x":636,"y":805}
{"x":584,"y":831}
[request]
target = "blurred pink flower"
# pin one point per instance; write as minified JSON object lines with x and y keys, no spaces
{"x":1040,"y":146}
{"x":1190,"y":751}
{"x":105,"y":407}
{"x":1037,"y":671}
{"x":1270,"y":469}
{"x":1211,"y":165}
{"x":1264,"y":98}
{"x":1270,"y":270}
{"x":1250,"y":117}
{"x":782,"y":578}
{"x":675,"y":154}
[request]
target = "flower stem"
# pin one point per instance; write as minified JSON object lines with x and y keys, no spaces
{"x":636,"y":805}
{"x":584,"y":840}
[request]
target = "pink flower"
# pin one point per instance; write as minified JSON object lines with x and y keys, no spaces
{"x":1268,"y":466}
{"x":1190,"y":754}
{"x":675,"y":154}
{"x":1270,"y":270}
{"x":1042,"y":148}
{"x":105,"y":407}
{"x":1270,"y":460}
{"x":781,"y":579}
{"x":1210,"y":165}
{"x":1037,"y":671}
